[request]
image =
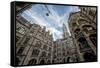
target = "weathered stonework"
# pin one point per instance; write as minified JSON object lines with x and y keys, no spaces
{"x":34,"y":45}
{"x":83,"y":28}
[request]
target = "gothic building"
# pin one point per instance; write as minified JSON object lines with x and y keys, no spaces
{"x":33,"y":43}
{"x":36,"y":46}
{"x":83,"y":29}
{"x":64,"y":50}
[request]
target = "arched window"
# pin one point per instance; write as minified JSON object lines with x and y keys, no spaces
{"x":83,"y":43}
{"x":84,"y":9}
{"x":68,"y":59}
{"x":93,"y":38}
{"x":74,"y":24}
{"x":77,"y":31}
{"x":45,"y":47}
{"x":32,"y":62}
{"x":17,"y":38}
{"x":79,"y":34}
{"x":26,"y":40}
{"x":42,"y":61}
{"x":53,"y":61}
{"x":49,"y":55}
{"x":80,"y":46}
{"x":38,"y":44}
{"x":91,"y":13}
{"x":35,"y":52}
{"x":20,"y":51}
{"x":43,"y":54}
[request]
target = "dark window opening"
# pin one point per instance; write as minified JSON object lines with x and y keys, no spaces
{"x":90,"y":57}
{"x":17,"y":39}
{"x":42,"y":62}
{"x":43,"y":54}
{"x":83,"y":9}
{"x":35,"y":52}
{"x":68,"y":59}
{"x":20,"y":51}
{"x":77,"y":31}
{"x":91,"y":13}
{"x":45,"y":47}
{"x":38,"y":44}
{"x":17,"y":61}
{"x":74,"y":24}
{"x":83,"y":43}
{"x":26,"y":40}
{"x":32,"y":62}
{"x":93,"y":38}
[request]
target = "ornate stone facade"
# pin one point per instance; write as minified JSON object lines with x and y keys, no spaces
{"x":33,"y":43}
{"x":83,"y":29}
{"x":36,"y":46}
{"x":64,"y":50}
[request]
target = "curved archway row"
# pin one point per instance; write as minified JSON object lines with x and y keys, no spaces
{"x":42,"y":62}
{"x":32,"y":62}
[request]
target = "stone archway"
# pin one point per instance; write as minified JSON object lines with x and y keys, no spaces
{"x":83,"y":43}
{"x":32,"y":62}
{"x":42,"y":62}
{"x":89,"y":57}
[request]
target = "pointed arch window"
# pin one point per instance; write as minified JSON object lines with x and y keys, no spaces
{"x":35,"y":52}
{"x":83,"y":43}
{"x":20,"y":51}
{"x":93,"y":38}
{"x":32,"y":62}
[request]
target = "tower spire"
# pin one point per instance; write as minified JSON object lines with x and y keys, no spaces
{"x":65,"y":31}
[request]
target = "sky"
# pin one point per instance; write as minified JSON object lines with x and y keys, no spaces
{"x":58,"y":15}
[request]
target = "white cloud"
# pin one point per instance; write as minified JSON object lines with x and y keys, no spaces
{"x":56,"y":34}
